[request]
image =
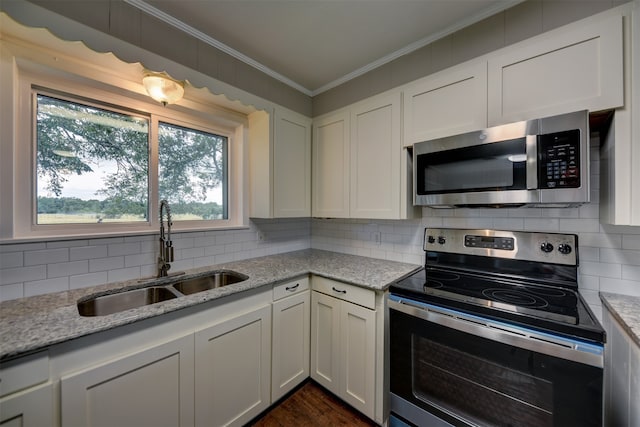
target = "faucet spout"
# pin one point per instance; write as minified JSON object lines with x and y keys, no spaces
{"x":166,"y":246}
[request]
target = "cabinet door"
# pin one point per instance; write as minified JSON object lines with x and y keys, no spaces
{"x":153,"y":387}
{"x":330,"y":184}
{"x":357,"y":359}
{"x":233,"y":362}
{"x":32,"y":408}
{"x":446,"y":103}
{"x":325,"y":341}
{"x":573,"y":68}
{"x":375,"y":158}
{"x":290,"y":341}
{"x":291,"y":165}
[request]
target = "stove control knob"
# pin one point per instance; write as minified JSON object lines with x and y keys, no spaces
{"x":431,"y":239}
{"x":564,"y":249}
{"x":441,"y":240}
{"x":546,"y":247}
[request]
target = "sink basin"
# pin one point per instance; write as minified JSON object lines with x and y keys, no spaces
{"x":114,"y":303}
{"x":212,"y":281}
{"x":101,"y":305}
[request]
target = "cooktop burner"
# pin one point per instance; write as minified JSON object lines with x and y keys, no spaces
{"x":515,"y":297}
{"x":502,"y":294}
{"x":532,"y":282}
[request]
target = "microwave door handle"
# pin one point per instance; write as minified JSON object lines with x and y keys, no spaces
{"x":532,"y":162}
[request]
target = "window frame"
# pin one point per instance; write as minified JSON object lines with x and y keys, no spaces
{"x":99,"y":94}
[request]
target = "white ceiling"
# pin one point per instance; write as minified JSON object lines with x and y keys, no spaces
{"x":314,"y":45}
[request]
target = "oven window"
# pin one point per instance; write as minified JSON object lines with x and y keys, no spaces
{"x":479,"y":390}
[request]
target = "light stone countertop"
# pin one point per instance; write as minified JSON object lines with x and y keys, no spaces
{"x":626,"y":310}
{"x":30,"y":324}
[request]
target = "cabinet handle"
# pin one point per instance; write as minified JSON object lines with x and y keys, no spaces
{"x":292,"y":288}
{"x":338,"y":290}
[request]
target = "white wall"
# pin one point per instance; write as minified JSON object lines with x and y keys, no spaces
{"x":609,"y":256}
{"x":42,"y":267}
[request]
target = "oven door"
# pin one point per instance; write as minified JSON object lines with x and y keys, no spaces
{"x":451,"y":368}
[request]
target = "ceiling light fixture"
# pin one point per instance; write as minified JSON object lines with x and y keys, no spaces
{"x":163,"y":88}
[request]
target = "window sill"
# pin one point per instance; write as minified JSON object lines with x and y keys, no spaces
{"x":106,"y":235}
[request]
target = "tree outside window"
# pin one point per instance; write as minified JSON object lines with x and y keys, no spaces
{"x":92,"y":166}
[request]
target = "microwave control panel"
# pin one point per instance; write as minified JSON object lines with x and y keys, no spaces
{"x":559,"y":160}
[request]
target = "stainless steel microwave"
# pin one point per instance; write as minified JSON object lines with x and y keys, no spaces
{"x":542,"y":162}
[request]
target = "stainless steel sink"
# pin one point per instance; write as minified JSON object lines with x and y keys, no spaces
{"x":212,"y":281}
{"x":101,"y":305}
{"x":114,"y":303}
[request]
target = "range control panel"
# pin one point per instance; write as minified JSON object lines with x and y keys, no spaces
{"x":553,"y":248}
{"x":489,"y":242}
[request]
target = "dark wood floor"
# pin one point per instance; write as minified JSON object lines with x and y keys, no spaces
{"x":311,"y":405}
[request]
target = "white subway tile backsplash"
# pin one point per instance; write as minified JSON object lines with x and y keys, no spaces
{"x":106,"y":264}
{"x":22,"y":247}
{"x":590,"y":283}
{"x":118,"y":249}
{"x":631,"y":242}
{"x":631,"y":272}
{"x":579,"y":225}
{"x":11,"y":259}
{"x":123,"y":274}
{"x":140,"y":259}
{"x":621,"y":256}
{"x":587,"y":253}
{"x":88,"y":252}
{"x":91,"y":262}
{"x":47,"y":286}
{"x":601,"y":269}
{"x":542,"y":224}
{"x":23,"y":274}
{"x":66,"y":244}
{"x":87,"y":280}
{"x":619,"y":286}
{"x":46,"y":256}
{"x":67,"y":269}
{"x":9,"y":292}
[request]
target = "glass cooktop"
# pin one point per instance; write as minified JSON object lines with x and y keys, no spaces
{"x":550,"y":308}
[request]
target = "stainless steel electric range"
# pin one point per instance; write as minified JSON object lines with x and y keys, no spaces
{"x":493,"y":332}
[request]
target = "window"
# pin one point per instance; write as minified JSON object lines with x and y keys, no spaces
{"x":193,"y":172}
{"x":92,"y":165}
{"x":102,"y":167}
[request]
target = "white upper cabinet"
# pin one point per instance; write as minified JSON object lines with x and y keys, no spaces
{"x":620,"y":148}
{"x":280,"y":164}
{"x":572,"y":68}
{"x":375,"y":158}
{"x":330,"y":184}
{"x":446,"y":103}
{"x":357,"y":161}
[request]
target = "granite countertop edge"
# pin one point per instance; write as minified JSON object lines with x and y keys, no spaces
{"x":626,"y":310}
{"x":35,"y":323}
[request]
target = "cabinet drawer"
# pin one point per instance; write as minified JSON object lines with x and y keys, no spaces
{"x":351,"y":293}
{"x":24,"y":372}
{"x":291,"y":287}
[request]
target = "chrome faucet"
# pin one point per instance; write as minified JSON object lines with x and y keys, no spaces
{"x":166,"y":246}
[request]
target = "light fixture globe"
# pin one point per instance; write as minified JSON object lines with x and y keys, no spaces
{"x":163,"y":88}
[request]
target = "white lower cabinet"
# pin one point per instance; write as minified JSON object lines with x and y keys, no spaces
{"x":343,"y":343}
{"x":152,"y":387}
{"x":30,"y":408}
{"x":290,"y":340}
{"x":233,"y":366}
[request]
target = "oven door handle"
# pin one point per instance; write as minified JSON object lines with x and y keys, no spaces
{"x":540,"y":342}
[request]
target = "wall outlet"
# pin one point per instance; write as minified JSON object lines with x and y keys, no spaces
{"x":260,"y":236}
{"x":377,"y":237}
